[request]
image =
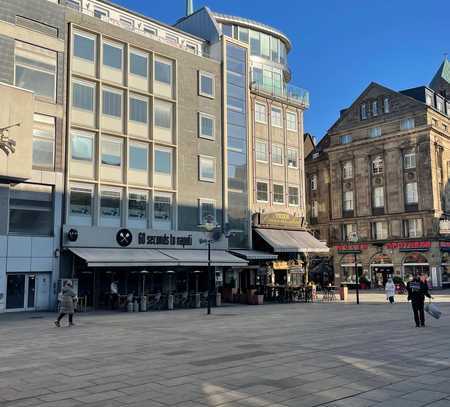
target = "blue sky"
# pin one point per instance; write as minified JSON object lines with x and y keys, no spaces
{"x":340,"y":46}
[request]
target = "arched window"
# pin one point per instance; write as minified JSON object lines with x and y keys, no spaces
{"x":377,"y":165}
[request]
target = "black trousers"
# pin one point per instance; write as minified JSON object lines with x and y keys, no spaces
{"x":391,"y":299}
{"x":419,"y":314}
{"x":61,"y":316}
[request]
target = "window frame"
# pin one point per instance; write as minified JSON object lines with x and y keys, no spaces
{"x":89,"y":189}
{"x":363,"y":111}
{"x":410,"y":120}
{"x":88,"y":36}
{"x":290,"y":114}
{"x":266,"y":151}
{"x":377,"y":168}
{"x":117,"y":46}
{"x":386,"y":105}
{"x":273,"y":194}
{"x":280,"y":164}
{"x":139,"y":54}
{"x":408,"y":159}
{"x":414,"y":192}
{"x":375,"y":230}
{"x":375,"y":109}
{"x":111,"y":140}
{"x":171,"y":203}
{"x":202,"y":201}
{"x":345,"y":139}
{"x":289,"y":195}
{"x":267,"y":192}
{"x":162,"y":103}
{"x":272,"y":122}
{"x":378,"y":199}
{"x":115,"y":91}
{"x":166,"y":150}
{"x":375,"y":132}
{"x":110,"y":189}
{"x":213,"y":85}
{"x":163,"y":61}
{"x":313,"y":181}
{"x":314,"y":209}
{"x":344,"y":200}
{"x":141,"y":192}
{"x":258,"y":113}
{"x":46,"y":122}
{"x":201,"y":159}
{"x":142,"y":99}
{"x":86,"y":135}
{"x":292,"y":149}
{"x":86,"y":84}
{"x":347,"y":170}
{"x":415,"y":221}
{"x":137,"y":144}
{"x":202,"y":115}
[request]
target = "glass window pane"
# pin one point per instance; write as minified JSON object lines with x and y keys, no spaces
{"x":206,"y":85}
{"x":243,"y":34}
{"x":83,"y":96}
{"x":138,"y":65}
{"x":137,"y":205}
{"x":207,"y":169}
{"x":162,"y":208}
{"x":82,"y":147}
{"x":163,"y":72}
{"x":80,"y":201}
{"x":278,"y":193}
{"x":265,"y":46}
{"x":110,"y":204}
{"x":206,"y":126}
{"x":163,"y":114}
{"x":274,"y":46}
{"x":112,"y":103}
{"x":293,"y":196}
{"x":84,"y":47}
{"x":163,"y":161}
{"x":112,"y":56}
{"x":255,"y":43}
{"x":112,"y":152}
{"x":138,"y":110}
{"x":138,"y":157}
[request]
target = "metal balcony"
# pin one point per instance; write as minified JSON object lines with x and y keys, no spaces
{"x":286,"y":93}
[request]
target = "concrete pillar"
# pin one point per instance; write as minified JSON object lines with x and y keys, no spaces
{"x":197,"y":300}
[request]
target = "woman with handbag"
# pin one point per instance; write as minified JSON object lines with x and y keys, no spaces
{"x":68,"y":298}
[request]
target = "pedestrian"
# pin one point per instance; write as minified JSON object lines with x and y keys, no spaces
{"x":68,"y":298}
{"x":390,"y":290}
{"x":417,"y":291}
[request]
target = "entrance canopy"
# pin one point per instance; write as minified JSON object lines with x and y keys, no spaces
{"x":288,"y":241}
{"x":97,"y":257}
{"x":254,"y":255}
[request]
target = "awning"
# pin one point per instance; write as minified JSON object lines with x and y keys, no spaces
{"x":254,"y":254}
{"x":284,"y":241}
{"x":200,"y":258}
{"x":98,"y":257}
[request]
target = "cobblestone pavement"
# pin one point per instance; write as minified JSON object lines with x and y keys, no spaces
{"x":274,"y":355}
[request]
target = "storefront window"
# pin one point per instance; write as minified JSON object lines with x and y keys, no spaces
{"x":137,"y":209}
{"x":415,"y":264}
{"x":445,"y":268}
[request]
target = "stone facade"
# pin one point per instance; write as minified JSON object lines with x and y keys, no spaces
{"x":380,"y":173}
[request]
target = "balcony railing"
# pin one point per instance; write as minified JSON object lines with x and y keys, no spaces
{"x":290,"y":93}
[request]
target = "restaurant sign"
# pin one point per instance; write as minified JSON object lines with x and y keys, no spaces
{"x":409,"y":246}
{"x":279,"y":219}
{"x":352,"y":248}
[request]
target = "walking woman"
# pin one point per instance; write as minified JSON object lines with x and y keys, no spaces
{"x":67,"y":304}
{"x":390,"y":290}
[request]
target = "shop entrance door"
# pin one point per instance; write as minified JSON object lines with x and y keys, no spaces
{"x":20,"y":292}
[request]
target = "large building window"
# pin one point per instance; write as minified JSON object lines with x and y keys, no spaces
{"x":291,"y":121}
{"x":276,"y":117}
{"x":413,"y":228}
{"x":80,"y":207}
{"x":163,"y":71}
{"x":207,"y":210}
{"x":43,"y":141}
{"x":407,"y":124}
{"x":163,"y":161}
{"x":380,"y":230}
{"x":378,"y":197}
{"x":260,"y":113}
{"x":255,"y":43}
{"x":163,"y":114}
{"x":162,"y":211}
{"x":112,"y":55}
{"x":293,"y":196}
{"x":348,"y":231}
{"x":278,"y":194}
{"x":363,"y":111}
{"x":206,"y":126}
{"x":112,"y":102}
{"x":261,"y":151}
{"x":138,"y":109}
{"x":110,"y":207}
{"x":206,"y":84}
{"x":262,"y":191}
{"x":374,"y":132}
{"x":375,"y":108}
{"x":411,"y":193}
{"x":345,"y":139}
{"x":31,"y":210}
{"x":137,"y":208}
{"x":111,"y":150}
{"x":83,"y":94}
{"x":277,"y":154}
{"x":82,"y":146}
{"x":138,"y":156}
{"x":348,"y":201}
{"x":377,"y":165}
{"x":409,"y":159}
{"x":84,"y":46}
{"x":292,"y":158}
{"x":347,"y":170}
{"x":207,"y":168}
{"x":386,"y":105}
{"x":138,"y":64}
{"x":36,"y":69}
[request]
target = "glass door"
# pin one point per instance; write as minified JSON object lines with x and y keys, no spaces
{"x":31,"y":292}
{"x":20,"y":292}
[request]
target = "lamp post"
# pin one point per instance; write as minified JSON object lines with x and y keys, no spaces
{"x":354,"y":240}
{"x":209,"y":226}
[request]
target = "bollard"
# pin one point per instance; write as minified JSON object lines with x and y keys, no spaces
{"x":218,"y":300}
{"x":135,"y":306}
{"x":197,"y":300}
{"x":144,"y":304}
{"x":170,"y":302}
{"x":130,"y":307}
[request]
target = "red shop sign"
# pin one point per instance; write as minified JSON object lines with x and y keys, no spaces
{"x":352,"y":247}
{"x":408,"y":245}
{"x":444,"y":244}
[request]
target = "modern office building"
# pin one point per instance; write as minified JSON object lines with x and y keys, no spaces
{"x":32,"y":113}
{"x":265,"y":160}
{"x":377,"y":184}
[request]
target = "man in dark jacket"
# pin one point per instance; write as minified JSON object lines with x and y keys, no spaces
{"x":417,"y":291}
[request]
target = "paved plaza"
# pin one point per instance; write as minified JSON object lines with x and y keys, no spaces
{"x":274,"y":355}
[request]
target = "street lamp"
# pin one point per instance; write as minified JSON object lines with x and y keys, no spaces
{"x":354,"y":240}
{"x":7,"y":144}
{"x":209,"y":226}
